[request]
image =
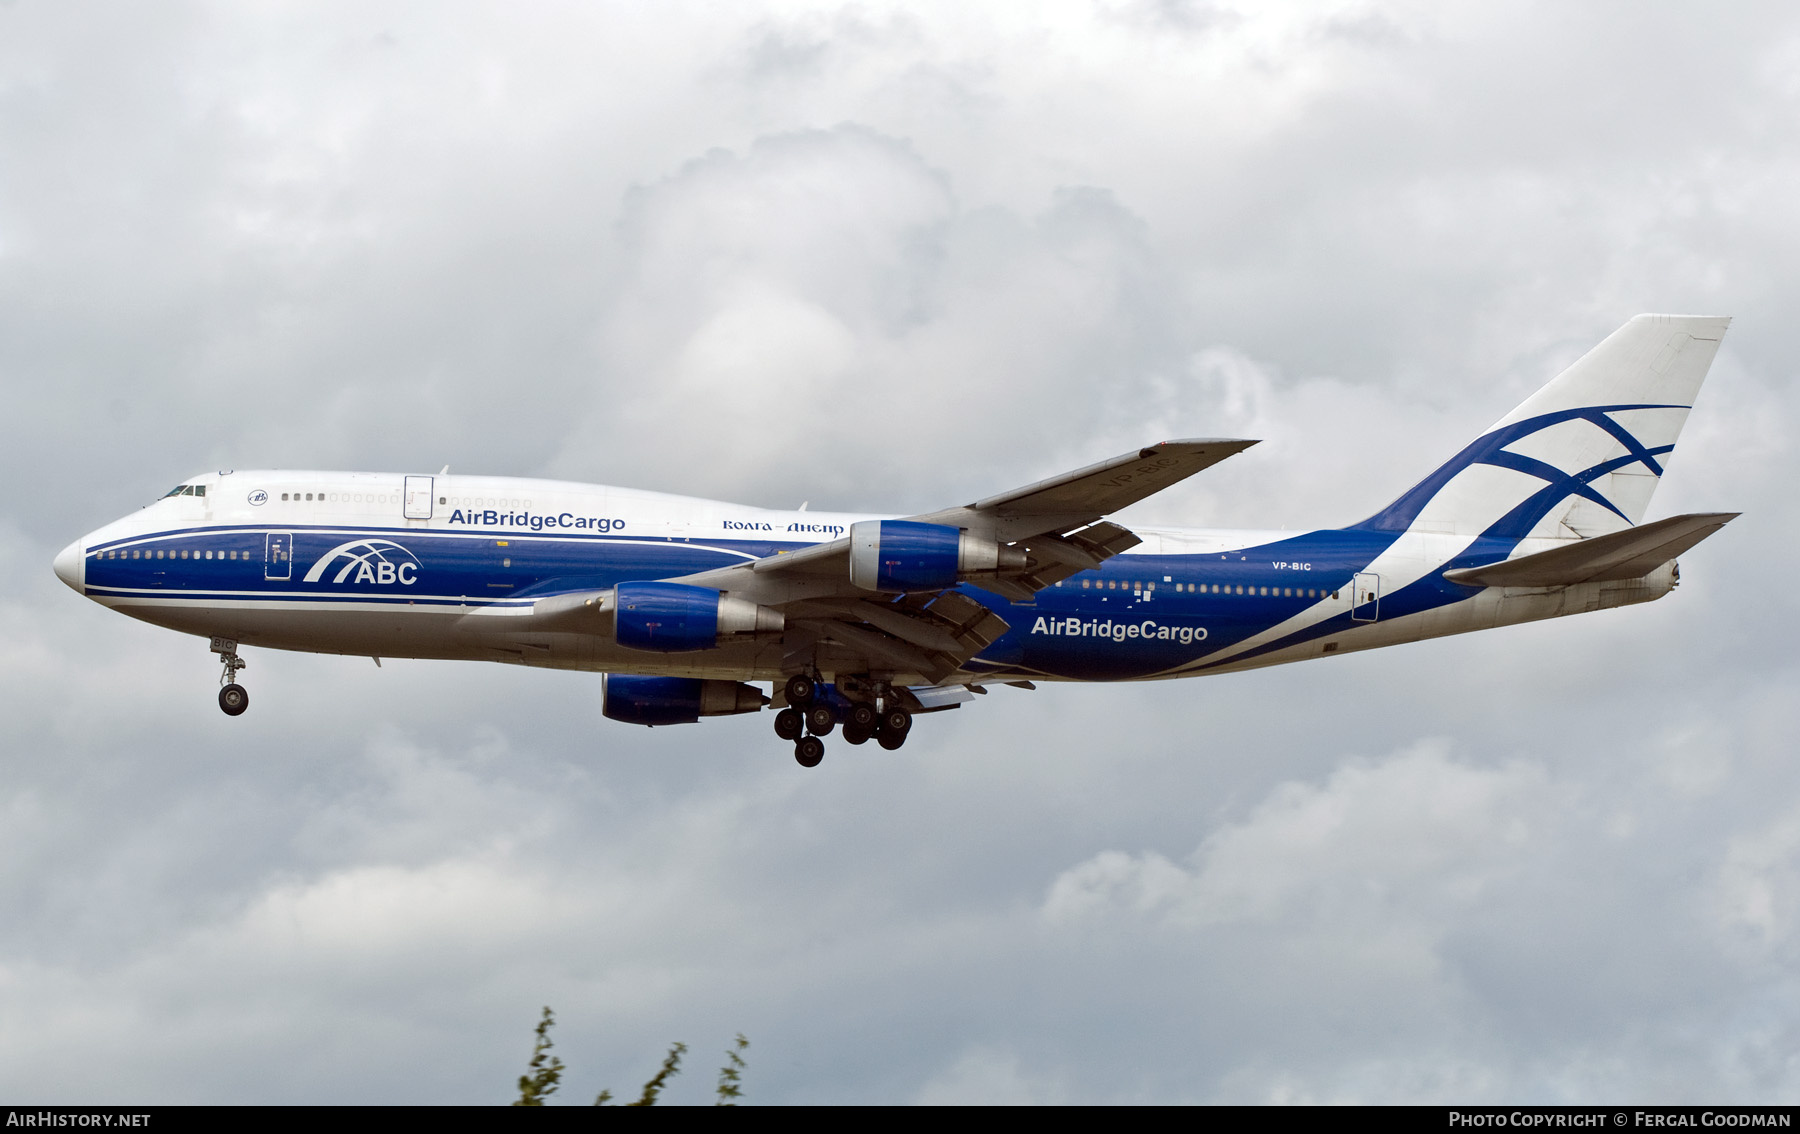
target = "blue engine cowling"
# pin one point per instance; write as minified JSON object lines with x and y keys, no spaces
{"x":675,"y":618}
{"x":675,"y":700}
{"x":906,"y":555}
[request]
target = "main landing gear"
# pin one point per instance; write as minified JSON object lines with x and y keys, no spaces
{"x":815,"y":708}
{"x":233,"y":698}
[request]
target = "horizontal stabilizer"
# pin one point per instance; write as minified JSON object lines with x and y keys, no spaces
{"x":1629,"y":554}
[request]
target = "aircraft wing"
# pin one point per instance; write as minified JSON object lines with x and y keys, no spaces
{"x":1057,"y":525}
{"x":1085,"y":495}
{"x":1629,"y":554}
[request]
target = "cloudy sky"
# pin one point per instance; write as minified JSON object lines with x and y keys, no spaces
{"x":892,"y":257}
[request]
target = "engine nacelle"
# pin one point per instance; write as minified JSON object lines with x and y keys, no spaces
{"x":905,"y":555}
{"x":672,"y":618}
{"x":674,"y":700}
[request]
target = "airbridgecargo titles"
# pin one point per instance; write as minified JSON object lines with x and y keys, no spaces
{"x":529,"y":521}
{"x":1074,"y":626}
{"x":861,"y":623}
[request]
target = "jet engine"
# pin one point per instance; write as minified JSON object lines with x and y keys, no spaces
{"x":672,"y":618}
{"x":675,"y":700}
{"x":905,"y":555}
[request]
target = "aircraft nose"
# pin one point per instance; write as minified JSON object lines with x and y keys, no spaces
{"x":70,"y":566}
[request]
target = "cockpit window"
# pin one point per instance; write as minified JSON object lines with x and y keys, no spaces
{"x":179,"y":490}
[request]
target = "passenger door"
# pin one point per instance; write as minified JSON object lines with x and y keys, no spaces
{"x":278,"y":556}
{"x":1365,"y":597}
{"x":418,"y":498}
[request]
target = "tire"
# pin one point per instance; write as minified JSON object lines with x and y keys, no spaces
{"x":891,"y":740}
{"x":234,"y":700}
{"x":799,"y":690}
{"x":789,"y":724}
{"x":862,"y":715}
{"x":854,"y":735}
{"x":808,"y":751}
{"x":896,"y":722}
{"x":819,"y":720}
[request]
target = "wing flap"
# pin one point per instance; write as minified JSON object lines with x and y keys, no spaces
{"x":1053,"y":558}
{"x":1629,"y":554}
{"x":924,"y":634}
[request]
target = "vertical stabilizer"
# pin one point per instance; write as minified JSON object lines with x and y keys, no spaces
{"x":1581,"y":456}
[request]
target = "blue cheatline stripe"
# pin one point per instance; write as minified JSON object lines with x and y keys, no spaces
{"x":250,"y":599}
{"x":728,"y":546}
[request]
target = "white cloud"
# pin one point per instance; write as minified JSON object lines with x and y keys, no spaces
{"x":1376,"y":847}
{"x":984,"y":1076}
{"x":888,"y":258}
{"x":1759,"y":890}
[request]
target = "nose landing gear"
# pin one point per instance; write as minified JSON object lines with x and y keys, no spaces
{"x":233,"y":698}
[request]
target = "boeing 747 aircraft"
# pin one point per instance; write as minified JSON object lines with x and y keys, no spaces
{"x":861,"y":623}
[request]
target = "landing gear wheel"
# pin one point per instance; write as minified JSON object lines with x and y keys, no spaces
{"x":896,"y":721}
{"x":863,"y":716}
{"x":808,"y":751}
{"x":819,"y":720}
{"x":233,"y":699}
{"x":799,"y":690}
{"x":855,"y":735}
{"x":789,"y":724}
{"x":890,"y":740}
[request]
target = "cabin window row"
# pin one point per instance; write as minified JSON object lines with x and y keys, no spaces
{"x":372,"y":498}
{"x":339,"y":497}
{"x":168,"y":553}
{"x":1205,"y":588}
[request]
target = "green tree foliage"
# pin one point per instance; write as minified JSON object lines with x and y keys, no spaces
{"x":731,"y":1075}
{"x":544,"y":1073}
{"x":671,"y":1066}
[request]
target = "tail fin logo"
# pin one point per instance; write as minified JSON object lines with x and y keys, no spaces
{"x":379,"y":562}
{"x":1558,"y":460}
